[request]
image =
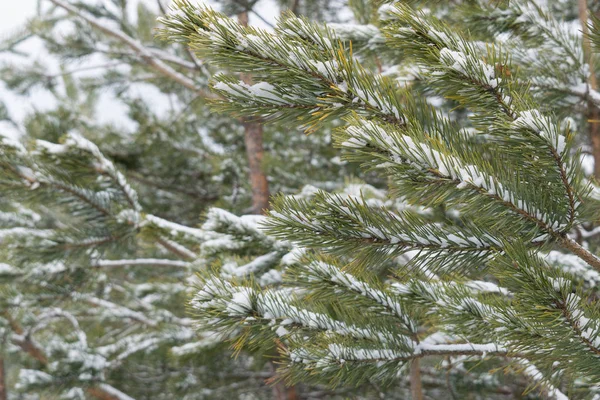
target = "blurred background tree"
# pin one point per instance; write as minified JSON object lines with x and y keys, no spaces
{"x":97,"y":187}
{"x":127,"y":184}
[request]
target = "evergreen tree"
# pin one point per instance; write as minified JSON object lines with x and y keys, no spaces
{"x":480,"y":257}
{"x":103,"y":224}
{"x":466,"y":268}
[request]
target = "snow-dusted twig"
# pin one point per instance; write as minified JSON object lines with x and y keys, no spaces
{"x":175,"y":228}
{"x":176,"y":248}
{"x":588,"y":234}
{"x":140,"y":262}
{"x":44,"y":319}
{"x":115,"y":309}
{"x":422,"y":350}
{"x":146,"y":54}
{"x":106,"y":391}
{"x":30,"y":347}
{"x":171,"y":58}
{"x":535,"y":375}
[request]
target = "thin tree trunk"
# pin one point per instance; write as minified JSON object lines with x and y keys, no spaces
{"x":416,"y":388}
{"x":295,"y":6}
{"x":29,"y":346}
{"x":253,"y":139}
{"x":253,"y":132}
{"x":279,"y":390}
{"x":25,"y":343}
{"x":3,"y":388}
{"x":593,"y":117}
{"x":593,"y":113}
{"x":100,"y":394}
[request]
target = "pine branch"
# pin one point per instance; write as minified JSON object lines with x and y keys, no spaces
{"x":350,"y":226}
{"x":459,"y":58}
{"x":314,"y":271}
{"x":147,"y":55}
{"x":102,"y":391}
{"x":115,"y":309}
{"x":140,"y":262}
{"x":172,"y":227}
{"x":177,"y":249}
{"x":329,"y":77}
{"x":580,"y":252}
{"x":105,"y":391}
{"x":55,"y":313}
{"x":171,"y":58}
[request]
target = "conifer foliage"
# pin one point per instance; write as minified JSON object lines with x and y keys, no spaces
{"x":461,"y":263}
{"x":477,"y":263}
{"x":103,"y":224}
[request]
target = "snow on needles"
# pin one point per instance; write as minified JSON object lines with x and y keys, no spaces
{"x":543,"y":126}
{"x":403,"y":149}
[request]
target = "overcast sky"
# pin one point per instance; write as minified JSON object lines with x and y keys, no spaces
{"x":14,"y":13}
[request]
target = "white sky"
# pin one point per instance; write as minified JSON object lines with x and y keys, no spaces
{"x":14,"y":13}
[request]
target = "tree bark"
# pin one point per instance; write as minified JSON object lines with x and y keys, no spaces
{"x":253,"y":132}
{"x":416,"y":388}
{"x":279,"y":389}
{"x":3,"y":388}
{"x":253,"y":140}
{"x":100,"y":394}
{"x":593,"y":113}
{"x":295,"y":6}
{"x":594,"y":132}
{"x":29,"y":346}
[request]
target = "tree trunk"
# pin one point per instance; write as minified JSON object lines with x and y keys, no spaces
{"x":278,"y":388}
{"x":3,"y":388}
{"x":295,"y":6}
{"x":593,"y":113}
{"x":253,"y":132}
{"x":100,"y":394}
{"x":594,"y":130}
{"x":29,"y":346}
{"x":253,"y":139}
{"x":416,"y":389}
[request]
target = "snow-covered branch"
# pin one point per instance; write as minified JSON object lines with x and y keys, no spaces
{"x":153,"y":262}
{"x":147,"y":55}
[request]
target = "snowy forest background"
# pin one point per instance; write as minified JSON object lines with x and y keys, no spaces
{"x":299,"y":199}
